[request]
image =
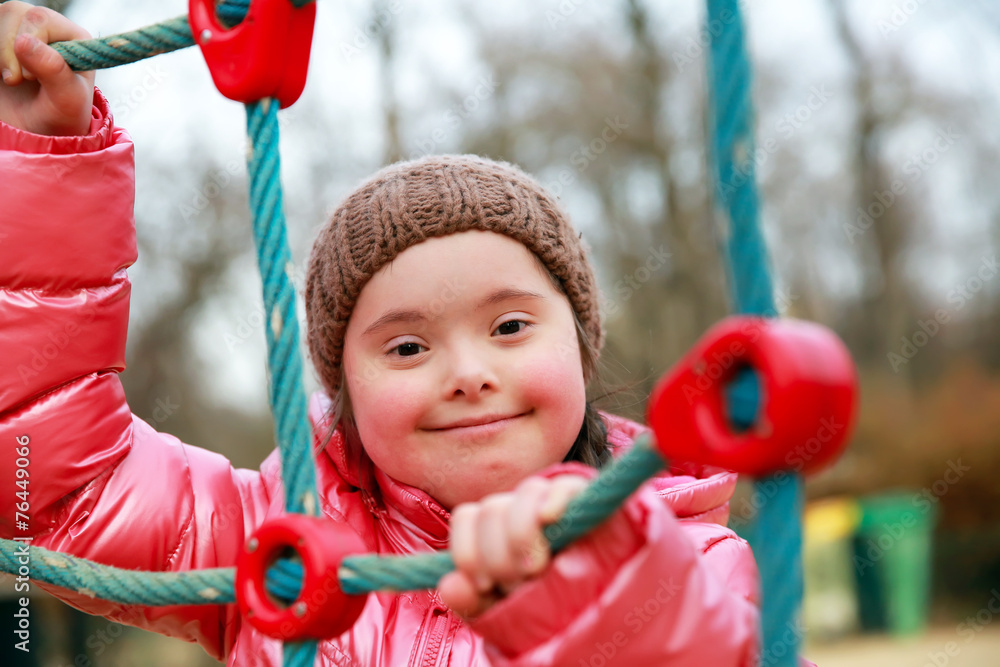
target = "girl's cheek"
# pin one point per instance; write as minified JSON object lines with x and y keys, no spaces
{"x":554,"y":379}
{"x":389,"y":406}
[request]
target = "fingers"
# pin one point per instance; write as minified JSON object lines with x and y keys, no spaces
{"x":25,"y":33}
{"x":467,"y":590}
{"x":10,"y":19}
{"x":498,"y":541}
{"x":561,"y":492}
{"x":459,"y":593}
{"x":483,"y":545}
{"x":509,"y":533}
{"x":41,"y":62}
{"x":56,"y":100}
{"x":528,"y":549}
{"x":463,"y":544}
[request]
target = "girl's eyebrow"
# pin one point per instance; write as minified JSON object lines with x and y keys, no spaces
{"x":392,"y":317}
{"x":507,"y":294}
{"x":412,"y":315}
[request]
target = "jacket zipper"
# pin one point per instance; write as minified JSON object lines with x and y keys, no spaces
{"x":436,"y":639}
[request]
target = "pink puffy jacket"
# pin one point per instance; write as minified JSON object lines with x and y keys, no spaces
{"x":662,"y":583}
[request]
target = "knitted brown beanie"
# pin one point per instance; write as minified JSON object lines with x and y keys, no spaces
{"x":409,"y":202}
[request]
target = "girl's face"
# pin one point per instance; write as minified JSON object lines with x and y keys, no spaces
{"x":463,"y":367}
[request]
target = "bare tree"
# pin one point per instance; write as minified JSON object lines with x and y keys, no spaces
{"x":162,"y":381}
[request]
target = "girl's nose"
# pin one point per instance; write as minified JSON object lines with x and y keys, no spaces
{"x":469,"y":374}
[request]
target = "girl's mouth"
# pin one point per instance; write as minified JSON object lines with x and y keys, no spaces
{"x":479,"y":427}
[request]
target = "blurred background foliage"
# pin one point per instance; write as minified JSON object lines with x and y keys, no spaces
{"x":877,"y":145}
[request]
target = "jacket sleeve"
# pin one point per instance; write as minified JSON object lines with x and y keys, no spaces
{"x":100,"y":483}
{"x":643,"y":589}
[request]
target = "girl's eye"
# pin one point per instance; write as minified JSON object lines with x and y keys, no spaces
{"x":407,"y":349}
{"x":511,"y":327}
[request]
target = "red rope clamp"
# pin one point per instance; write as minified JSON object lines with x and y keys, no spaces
{"x":266,"y":55}
{"x":808,"y":398}
{"x":322,"y":609}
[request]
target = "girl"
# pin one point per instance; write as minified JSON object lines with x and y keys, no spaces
{"x":453,"y":322}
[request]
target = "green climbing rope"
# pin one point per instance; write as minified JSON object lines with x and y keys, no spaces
{"x":732,"y":115}
{"x":776,"y":533}
{"x":359,"y":574}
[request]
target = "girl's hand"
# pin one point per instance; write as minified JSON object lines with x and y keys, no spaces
{"x":40,"y":93}
{"x":497,"y":543}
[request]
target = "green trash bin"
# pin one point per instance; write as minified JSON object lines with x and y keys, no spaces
{"x":892,"y":561}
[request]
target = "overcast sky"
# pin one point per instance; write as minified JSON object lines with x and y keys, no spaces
{"x":172,"y":110}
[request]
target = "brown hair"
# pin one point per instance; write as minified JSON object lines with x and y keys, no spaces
{"x":591,"y":446}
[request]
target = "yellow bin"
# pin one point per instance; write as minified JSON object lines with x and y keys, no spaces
{"x":830,"y":604}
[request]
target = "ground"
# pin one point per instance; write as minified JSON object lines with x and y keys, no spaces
{"x":928,"y":650}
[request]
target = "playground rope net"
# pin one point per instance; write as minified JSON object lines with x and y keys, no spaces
{"x":775,"y":535}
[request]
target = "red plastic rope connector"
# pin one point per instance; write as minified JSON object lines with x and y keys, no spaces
{"x":322,"y":609}
{"x":265,"y":55}
{"x":808,"y":396}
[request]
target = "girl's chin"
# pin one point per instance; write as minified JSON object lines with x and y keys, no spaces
{"x":476,"y":485}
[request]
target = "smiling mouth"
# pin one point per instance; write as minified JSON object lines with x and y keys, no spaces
{"x":477,"y":422}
